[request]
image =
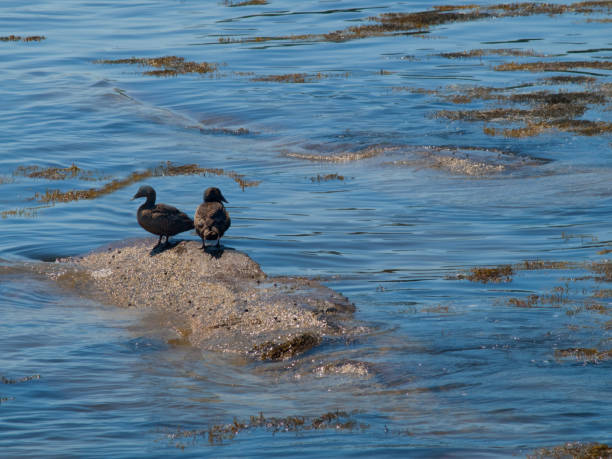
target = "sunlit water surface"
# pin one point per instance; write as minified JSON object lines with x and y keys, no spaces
{"x":454,"y":369}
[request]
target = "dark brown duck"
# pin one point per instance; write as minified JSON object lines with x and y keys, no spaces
{"x":160,"y":219}
{"x":211,"y":218}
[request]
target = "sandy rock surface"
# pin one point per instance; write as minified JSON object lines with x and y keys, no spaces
{"x":218,"y":301}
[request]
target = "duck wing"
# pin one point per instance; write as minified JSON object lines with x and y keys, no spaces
{"x":170,"y":220}
{"x":211,"y":220}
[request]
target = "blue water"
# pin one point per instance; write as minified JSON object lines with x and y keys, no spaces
{"x":454,"y":370}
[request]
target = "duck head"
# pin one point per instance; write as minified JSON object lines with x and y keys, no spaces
{"x":145,"y":191}
{"x":213,"y":194}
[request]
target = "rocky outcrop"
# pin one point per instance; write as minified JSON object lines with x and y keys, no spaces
{"x":216,"y":301}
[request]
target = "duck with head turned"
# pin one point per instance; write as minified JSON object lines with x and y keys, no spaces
{"x":211,"y":218}
{"x":160,"y":219}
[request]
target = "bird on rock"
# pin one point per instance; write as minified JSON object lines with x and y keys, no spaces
{"x":160,"y":219}
{"x":211,"y":218}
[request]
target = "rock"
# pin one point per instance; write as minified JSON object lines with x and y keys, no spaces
{"x":222,"y":302}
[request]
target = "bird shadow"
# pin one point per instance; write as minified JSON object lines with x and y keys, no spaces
{"x":214,"y":252}
{"x":160,"y":248}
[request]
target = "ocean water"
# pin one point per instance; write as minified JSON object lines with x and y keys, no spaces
{"x":445,"y":366}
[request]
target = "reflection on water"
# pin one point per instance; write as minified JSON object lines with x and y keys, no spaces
{"x":378,"y":170}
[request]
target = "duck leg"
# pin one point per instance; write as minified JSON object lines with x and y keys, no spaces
{"x":158,"y":242}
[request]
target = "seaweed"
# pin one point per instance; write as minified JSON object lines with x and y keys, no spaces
{"x":56,"y":173}
{"x":416,"y":23}
{"x":344,"y":156}
{"x":584,"y":354}
{"x":167,"y":65}
{"x":245,"y":3}
{"x":288,"y":349}
{"x":218,"y":433}
{"x":24,"y":39}
{"x":296,"y":77}
{"x":164,"y":169}
{"x":502,"y":273}
{"x":574,"y":450}
{"x":559,"y":66}
{"x":491,"y":52}
{"x":326,"y":178}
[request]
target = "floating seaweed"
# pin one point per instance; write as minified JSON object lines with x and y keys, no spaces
{"x":218,"y":433}
{"x":296,"y":77}
{"x":56,"y":173}
{"x":552,"y":66}
{"x":584,"y":354}
{"x":245,"y":3}
{"x":344,"y":156}
{"x":24,"y":39}
{"x":492,"y":52}
{"x":167,"y":65}
{"x":502,"y":273}
{"x":574,"y":450}
{"x":164,"y":169}
{"x":419,"y":22}
{"x":326,"y":178}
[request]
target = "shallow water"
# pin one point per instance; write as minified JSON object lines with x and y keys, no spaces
{"x":445,"y":366}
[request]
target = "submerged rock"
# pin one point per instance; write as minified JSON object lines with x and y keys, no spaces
{"x":215,"y":301}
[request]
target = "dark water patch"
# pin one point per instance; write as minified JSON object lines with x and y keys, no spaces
{"x":167,"y":65}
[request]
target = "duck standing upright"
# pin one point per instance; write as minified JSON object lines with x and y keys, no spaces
{"x":160,"y":219}
{"x":211,"y":218}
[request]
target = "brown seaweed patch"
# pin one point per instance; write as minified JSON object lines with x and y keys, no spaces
{"x":552,"y":66}
{"x":581,"y":127}
{"x":297,"y":77}
{"x":327,"y":177}
{"x":574,"y":451}
{"x":584,"y":354}
{"x":22,"y":212}
{"x":603,"y":269}
{"x":502,"y":273}
{"x":166,"y":65}
{"x":418,"y":22}
{"x":24,"y":39}
{"x":6,"y":380}
{"x":56,"y":173}
{"x":245,"y":3}
{"x":492,"y":52}
{"x":344,"y":156}
{"x":216,"y":434}
{"x":162,"y":170}
{"x":288,"y":349}
{"x":569,"y":79}
{"x":532,"y":265}
{"x":603,"y":293}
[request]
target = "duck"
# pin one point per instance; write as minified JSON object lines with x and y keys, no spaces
{"x":211,"y":218}
{"x":160,"y":219}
